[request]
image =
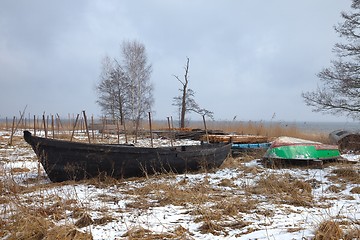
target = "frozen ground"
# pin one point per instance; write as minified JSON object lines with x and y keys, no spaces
{"x":232,"y":202}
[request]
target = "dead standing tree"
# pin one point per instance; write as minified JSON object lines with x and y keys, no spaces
{"x":186,"y":102}
{"x":184,"y":95}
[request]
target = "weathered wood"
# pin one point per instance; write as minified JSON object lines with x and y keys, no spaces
{"x":12,"y":131}
{"x":86,"y":126}
{"x":151,"y":134}
{"x":206,"y":132}
{"x":170,"y":131}
{"x":34,"y":125}
{"x":52,"y":126}
{"x":72,"y":135}
{"x":92,"y":127}
{"x":44,"y":122}
{"x":64,"y":160}
{"x":238,"y":139}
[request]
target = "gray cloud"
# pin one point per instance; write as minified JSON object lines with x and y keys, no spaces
{"x":247,"y":58}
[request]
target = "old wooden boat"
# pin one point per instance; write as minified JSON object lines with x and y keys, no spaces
{"x":285,"y":151}
{"x":348,"y":141}
{"x":64,"y":160}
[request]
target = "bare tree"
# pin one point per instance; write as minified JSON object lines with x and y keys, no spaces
{"x":139,"y":88}
{"x":112,"y":89}
{"x":125,"y":90}
{"x":186,"y":102}
{"x":340,"y":92}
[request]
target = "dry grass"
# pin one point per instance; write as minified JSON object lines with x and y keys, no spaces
{"x":346,"y":174}
{"x":284,"y":188}
{"x":355,"y":190}
{"x":270,"y":129}
{"x":217,"y":207}
{"x":328,"y":230}
{"x":139,"y":233}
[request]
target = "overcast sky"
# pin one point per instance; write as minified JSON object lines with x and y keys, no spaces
{"x":248,"y":58}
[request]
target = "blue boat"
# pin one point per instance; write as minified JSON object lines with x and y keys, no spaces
{"x":246,"y":146}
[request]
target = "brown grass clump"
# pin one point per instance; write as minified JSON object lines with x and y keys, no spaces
{"x":225,"y":214}
{"x":284,"y":188}
{"x":212,"y":227}
{"x":232,"y":206}
{"x":19,"y":170}
{"x":66,"y":232}
{"x":347,"y":174}
{"x":335,"y":189}
{"x":226,"y":183}
{"x":355,"y":190}
{"x":103,"y":220}
{"x":328,"y":230}
{"x":139,"y":233}
{"x":84,"y":221}
{"x":9,"y":186}
{"x":353,"y":233}
{"x":166,"y":193}
{"x":29,"y":227}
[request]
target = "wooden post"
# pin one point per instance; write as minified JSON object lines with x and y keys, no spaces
{"x":125,"y":133}
{"x":172,"y":128}
{"x":206,"y":132}
{"x":72,"y":135}
{"x":118,"y":131}
{"x":12,"y":131}
{"x":47,"y":121}
{"x":103,"y":128}
{"x":34,"y":125}
{"x":86,"y":126}
{"x":170,"y":132}
{"x":44,"y":121}
{"x":59,"y":122}
{"x":172,"y":122}
{"x":151,"y":135}
{"x":21,"y":121}
{"x":69,"y":122}
{"x":52,"y":126}
{"x":92,"y":127}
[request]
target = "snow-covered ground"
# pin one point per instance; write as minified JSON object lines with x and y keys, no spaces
{"x":232,"y":202}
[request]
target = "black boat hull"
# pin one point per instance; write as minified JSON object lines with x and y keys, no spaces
{"x":64,"y":160}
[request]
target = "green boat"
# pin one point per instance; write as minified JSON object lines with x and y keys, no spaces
{"x":285,"y":151}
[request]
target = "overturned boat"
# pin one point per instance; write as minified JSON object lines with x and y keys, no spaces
{"x":64,"y":160}
{"x":287,"y":151}
{"x":348,"y":141}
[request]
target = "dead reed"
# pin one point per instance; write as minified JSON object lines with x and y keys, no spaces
{"x":284,"y":189}
{"x":218,"y":205}
{"x":328,"y":230}
{"x":346,"y":174}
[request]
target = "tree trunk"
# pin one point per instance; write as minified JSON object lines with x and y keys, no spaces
{"x":183,"y":103}
{"x":183,"y":108}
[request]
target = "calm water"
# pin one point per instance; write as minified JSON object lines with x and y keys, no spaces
{"x":325,"y":127}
